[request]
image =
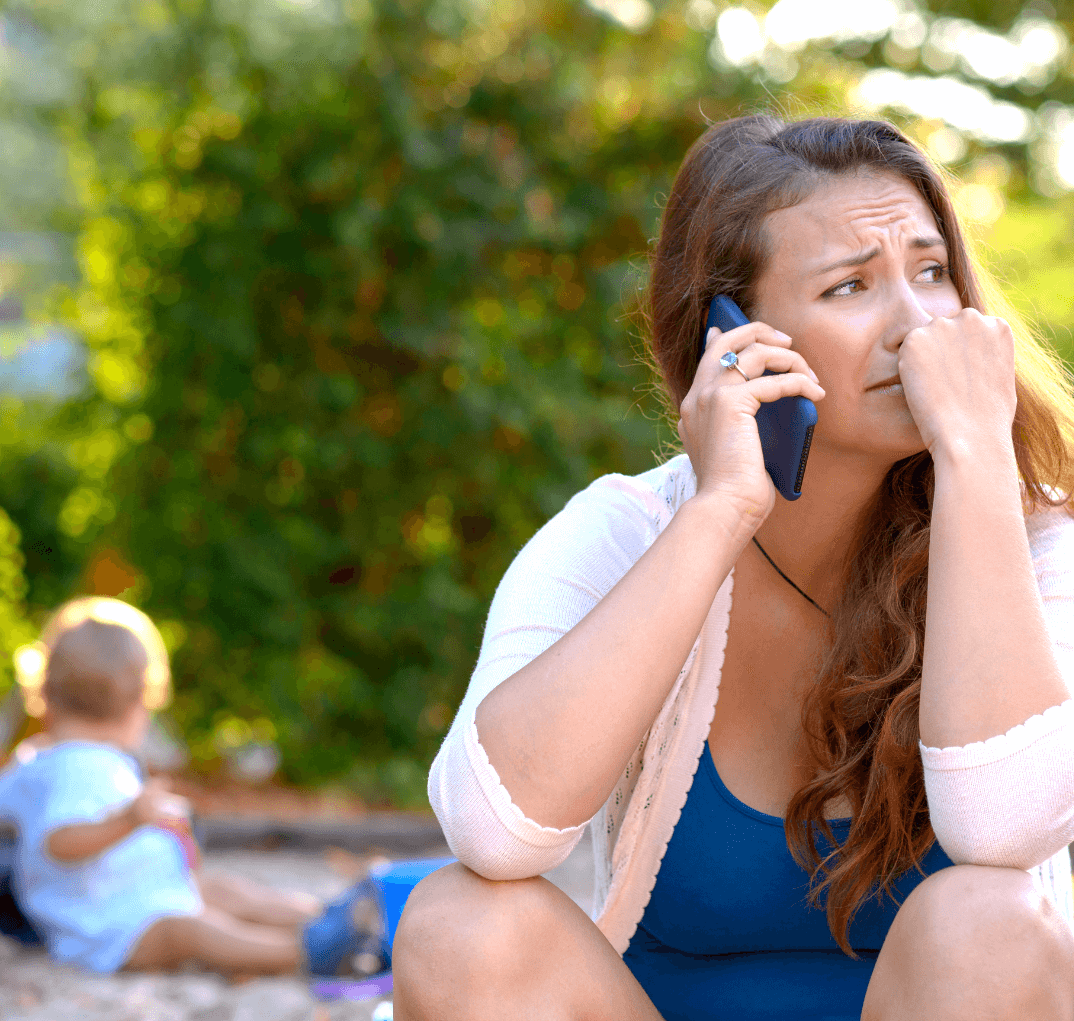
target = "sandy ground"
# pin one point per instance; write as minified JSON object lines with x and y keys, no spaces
{"x":32,"y":988}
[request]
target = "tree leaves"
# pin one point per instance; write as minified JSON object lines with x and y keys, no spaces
{"x":355,"y":282}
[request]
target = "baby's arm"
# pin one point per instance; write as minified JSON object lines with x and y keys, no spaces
{"x":75,"y":843}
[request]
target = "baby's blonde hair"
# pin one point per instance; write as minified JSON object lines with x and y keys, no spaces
{"x":96,"y":658}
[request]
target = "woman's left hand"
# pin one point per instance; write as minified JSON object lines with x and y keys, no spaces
{"x":958,"y":380}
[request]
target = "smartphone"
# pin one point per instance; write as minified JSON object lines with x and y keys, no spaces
{"x":785,"y":426}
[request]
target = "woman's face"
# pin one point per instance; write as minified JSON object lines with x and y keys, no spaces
{"x":852,"y":270}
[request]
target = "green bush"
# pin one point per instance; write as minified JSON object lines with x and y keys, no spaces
{"x":354,"y":277}
{"x":15,"y":629}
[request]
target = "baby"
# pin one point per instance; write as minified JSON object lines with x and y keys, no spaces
{"x":104,"y":866}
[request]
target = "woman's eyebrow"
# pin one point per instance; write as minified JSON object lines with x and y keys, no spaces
{"x":864,"y":257}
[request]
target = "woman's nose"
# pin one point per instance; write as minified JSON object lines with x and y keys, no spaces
{"x":907,"y":313}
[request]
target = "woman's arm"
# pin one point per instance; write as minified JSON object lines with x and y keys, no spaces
{"x":988,"y":662}
{"x":559,"y":730}
{"x":997,"y":719}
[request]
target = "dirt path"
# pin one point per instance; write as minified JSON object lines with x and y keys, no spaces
{"x":32,"y":988}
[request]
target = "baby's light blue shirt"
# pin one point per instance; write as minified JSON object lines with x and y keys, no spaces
{"x":92,"y":912}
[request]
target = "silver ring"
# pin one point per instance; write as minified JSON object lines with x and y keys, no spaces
{"x":730,"y":361}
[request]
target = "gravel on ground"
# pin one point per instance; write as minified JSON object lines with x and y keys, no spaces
{"x":33,"y":988}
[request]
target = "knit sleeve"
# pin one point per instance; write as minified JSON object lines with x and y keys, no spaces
{"x":556,"y":579}
{"x":1010,"y":800}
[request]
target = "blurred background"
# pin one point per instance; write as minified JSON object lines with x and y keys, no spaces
{"x":313,"y":311}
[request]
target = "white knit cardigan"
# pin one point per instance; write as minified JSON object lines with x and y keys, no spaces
{"x":1005,"y":801}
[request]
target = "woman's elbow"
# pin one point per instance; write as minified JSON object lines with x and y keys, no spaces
{"x":490,"y":862}
{"x":480,"y":837}
{"x":1004,"y":848}
{"x":495,"y":853}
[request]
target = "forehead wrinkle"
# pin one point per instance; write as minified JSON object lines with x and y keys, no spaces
{"x":864,"y":218}
{"x":884,"y":215}
{"x":864,"y":227}
{"x":899,"y":200}
{"x":884,"y":207}
{"x":860,"y":235}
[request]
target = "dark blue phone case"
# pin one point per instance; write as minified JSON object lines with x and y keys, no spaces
{"x":784,"y":426}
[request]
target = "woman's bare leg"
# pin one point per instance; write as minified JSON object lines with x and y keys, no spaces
{"x":470,"y":948}
{"x":974,"y":943}
{"x":254,"y":902}
{"x":217,"y":941}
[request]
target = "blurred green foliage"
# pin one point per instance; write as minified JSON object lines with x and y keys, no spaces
{"x":355,"y":281}
{"x":15,"y":628}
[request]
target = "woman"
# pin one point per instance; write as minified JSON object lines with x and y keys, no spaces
{"x":731,"y":729}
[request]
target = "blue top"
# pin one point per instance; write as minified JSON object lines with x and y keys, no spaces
{"x":91,"y":912}
{"x":728,"y":932}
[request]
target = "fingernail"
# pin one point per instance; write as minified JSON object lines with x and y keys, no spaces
{"x":780,"y":333}
{"x":814,"y":375}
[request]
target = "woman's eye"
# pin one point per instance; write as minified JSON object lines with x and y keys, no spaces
{"x":848,"y":287}
{"x":840,"y":289}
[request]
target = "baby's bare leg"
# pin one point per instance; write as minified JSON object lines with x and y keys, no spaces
{"x":254,"y":902}
{"x":470,"y":948}
{"x":217,"y":941}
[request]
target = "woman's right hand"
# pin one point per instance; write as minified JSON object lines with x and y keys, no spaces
{"x":717,"y":423}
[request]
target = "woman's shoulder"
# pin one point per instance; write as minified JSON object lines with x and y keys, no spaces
{"x":658,"y":492}
{"x":615,"y":518}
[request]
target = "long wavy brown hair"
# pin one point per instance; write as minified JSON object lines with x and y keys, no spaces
{"x":860,"y":718}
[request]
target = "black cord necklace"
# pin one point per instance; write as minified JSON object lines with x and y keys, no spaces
{"x":785,"y":578}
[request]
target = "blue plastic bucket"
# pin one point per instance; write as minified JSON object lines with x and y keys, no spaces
{"x":394,"y":881}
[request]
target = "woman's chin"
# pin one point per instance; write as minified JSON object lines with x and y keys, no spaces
{"x":897,"y":436}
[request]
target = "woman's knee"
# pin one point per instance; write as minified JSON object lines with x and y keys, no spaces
{"x":456,"y":911}
{"x":470,"y":947}
{"x":990,"y":910}
{"x":973,"y":933}
{"x":458,"y":926}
